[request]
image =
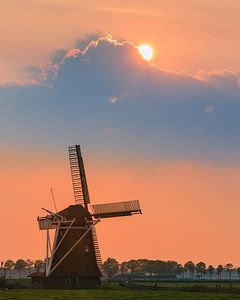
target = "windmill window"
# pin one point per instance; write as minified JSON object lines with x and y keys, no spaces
{"x":86,"y":249}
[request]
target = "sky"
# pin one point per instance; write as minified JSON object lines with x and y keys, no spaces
{"x":165,"y":131}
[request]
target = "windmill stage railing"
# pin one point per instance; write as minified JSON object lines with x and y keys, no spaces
{"x":117,"y":209}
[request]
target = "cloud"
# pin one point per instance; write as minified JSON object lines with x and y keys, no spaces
{"x":209,"y":109}
{"x":119,"y":64}
{"x":113,"y":99}
{"x":72,"y":53}
{"x":82,"y":92}
{"x":221,"y":79}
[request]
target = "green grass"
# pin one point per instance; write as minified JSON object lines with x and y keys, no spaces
{"x":170,"y":291}
{"x":121,"y":294}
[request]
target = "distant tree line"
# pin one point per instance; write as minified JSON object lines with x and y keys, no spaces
{"x":21,"y":266}
{"x":135,"y":268}
{"x":167,"y":270}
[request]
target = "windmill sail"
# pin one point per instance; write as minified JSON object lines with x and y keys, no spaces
{"x":80,"y":188}
{"x":97,"y":249}
{"x":117,"y":209}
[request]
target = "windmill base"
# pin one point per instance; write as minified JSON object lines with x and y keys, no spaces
{"x":72,"y":282}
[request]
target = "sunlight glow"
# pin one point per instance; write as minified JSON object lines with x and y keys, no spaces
{"x":146,"y":51}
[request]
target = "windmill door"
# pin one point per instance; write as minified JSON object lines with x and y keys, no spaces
{"x":74,"y":279}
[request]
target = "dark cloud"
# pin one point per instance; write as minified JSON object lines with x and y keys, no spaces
{"x":108,"y":96}
{"x":221,"y":79}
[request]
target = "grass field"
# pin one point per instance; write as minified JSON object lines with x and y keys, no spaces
{"x":110,"y":295}
{"x":114,"y":293}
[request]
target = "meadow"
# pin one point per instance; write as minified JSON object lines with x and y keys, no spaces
{"x":110,"y":295}
{"x":168,"y":291}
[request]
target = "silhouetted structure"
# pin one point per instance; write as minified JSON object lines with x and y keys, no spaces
{"x":73,"y":259}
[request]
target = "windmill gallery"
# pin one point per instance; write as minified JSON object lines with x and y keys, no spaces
{"x":73,"y":259}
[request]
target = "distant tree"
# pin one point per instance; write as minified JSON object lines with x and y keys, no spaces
{"x":9,"y":264}
{"x":29,"y":264}
{"x":219,"y":271}
{"x":210,"y":271}
{"x":123,"y":267}
{"x":20,"y":265}
{"x":111,"y":267}
{"x":155,"y":267}
{"x":190,"y":267}
{"x":201,"y":268}
{"x":171,"y":268}
{"x":39,"y":265}
{"x":132,"y":265}
{"x":238,"y":272}
{"x":180,"y":270}
{"x":159,"y":267}
{"x":142,"y":266}
{"x":229,"y":268}
{"x":150,"y":267}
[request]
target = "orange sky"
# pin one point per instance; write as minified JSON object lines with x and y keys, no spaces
{"x":187,"y":35}
{"x":190,"y":210}
{"x":191,"y":207}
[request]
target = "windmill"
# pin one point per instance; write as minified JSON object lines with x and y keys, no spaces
{"x":73,"y":259}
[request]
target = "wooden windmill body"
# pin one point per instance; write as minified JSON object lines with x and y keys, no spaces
{"x":73,"y":260}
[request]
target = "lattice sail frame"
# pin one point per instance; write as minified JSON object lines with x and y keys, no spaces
{"x":116,"y":209}
{"x":79,"y":181}
{"x":97,"y":249}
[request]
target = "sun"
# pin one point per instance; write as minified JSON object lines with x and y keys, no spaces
{"x":146,"y":52}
